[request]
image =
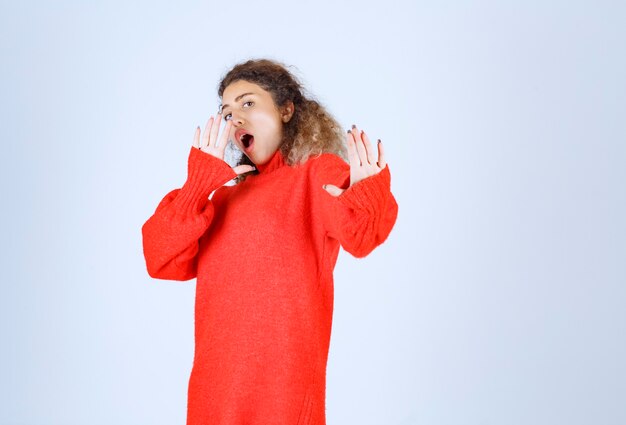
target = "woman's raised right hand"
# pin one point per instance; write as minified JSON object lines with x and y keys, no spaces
{"x":215,"y":145}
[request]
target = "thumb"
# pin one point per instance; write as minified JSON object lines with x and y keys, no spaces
{"x":333,"y":190}
{"x":241,"y":169}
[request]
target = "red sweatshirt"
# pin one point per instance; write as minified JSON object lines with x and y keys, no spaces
{"x":263,"y":252}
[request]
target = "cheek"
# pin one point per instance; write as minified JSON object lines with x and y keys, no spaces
{"x":268,"y":119}
{"x":274,"y":125}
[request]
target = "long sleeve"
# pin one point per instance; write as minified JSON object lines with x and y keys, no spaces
{"x":362,"y":217}
{"x":171,"y":234}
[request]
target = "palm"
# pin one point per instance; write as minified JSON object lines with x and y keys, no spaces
{"x":215,"y":144}
{"x":363,"y":161}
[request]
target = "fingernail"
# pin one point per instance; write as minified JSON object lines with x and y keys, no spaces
{"x":324,"y":186}
{"x":378,"y":140}
{"x":349,"y":131}
{"x":353,"y":126}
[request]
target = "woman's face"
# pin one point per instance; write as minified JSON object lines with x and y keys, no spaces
{"x":257,"y":122}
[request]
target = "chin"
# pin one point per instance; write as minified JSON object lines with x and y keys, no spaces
{"x":259,"y":159}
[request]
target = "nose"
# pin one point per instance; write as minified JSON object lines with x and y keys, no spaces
{"x":236,"y":119}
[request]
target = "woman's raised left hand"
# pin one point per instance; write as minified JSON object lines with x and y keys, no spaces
{"x":363,"y":161}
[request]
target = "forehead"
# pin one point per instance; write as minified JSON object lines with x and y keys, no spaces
{"x":233,"y":90}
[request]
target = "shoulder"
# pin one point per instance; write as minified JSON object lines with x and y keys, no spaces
{"x":327,"y":168}
{"x":326,"y":163}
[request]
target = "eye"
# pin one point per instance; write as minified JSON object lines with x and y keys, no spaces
{"x":245,"y":103}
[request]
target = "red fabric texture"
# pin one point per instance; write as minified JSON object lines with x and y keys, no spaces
{"x":263,"y":252}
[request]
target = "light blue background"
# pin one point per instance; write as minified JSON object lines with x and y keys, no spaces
{"x":499,"y":297}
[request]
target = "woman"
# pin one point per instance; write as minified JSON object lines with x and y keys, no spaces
{"x":263,"y":250}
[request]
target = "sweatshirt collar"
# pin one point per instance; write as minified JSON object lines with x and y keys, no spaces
{"x":275,"y":162}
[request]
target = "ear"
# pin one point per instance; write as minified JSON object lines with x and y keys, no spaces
{"x":287,"y":111}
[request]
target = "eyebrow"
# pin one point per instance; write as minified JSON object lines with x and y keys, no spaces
{"x":236,"y":99}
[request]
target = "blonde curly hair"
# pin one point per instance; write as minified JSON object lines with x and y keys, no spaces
{"x":311,"y":131}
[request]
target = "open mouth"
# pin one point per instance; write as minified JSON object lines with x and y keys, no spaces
{"x":245,"y":138}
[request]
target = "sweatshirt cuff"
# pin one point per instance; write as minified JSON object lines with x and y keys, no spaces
{"x":369,"y":194}
{"x":205,"y":173}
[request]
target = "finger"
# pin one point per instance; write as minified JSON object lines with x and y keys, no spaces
{"x":196,"y":138}
{"x":368,"y":148}
{"x":215,"y":129}
{"x":333,"y":190}
{"x":382,"y":163}
{"x":353,"y":155}
{"x":224,"y":136}
{"x":355,"y":134}
{"x":205,"y":136}
{"x":241,"y":169}
{"x":360,"y":147}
